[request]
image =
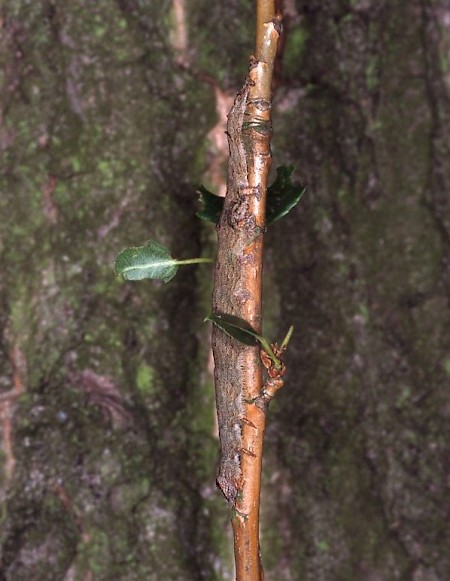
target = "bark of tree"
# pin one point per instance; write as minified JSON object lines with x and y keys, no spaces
{"x":357,"y":440}
{"x":109,"y":452}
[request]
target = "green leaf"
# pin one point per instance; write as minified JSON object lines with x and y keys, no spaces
{"x":241,"y":331}
{"x":286,"y":340}
{"x":212,"y":205}
{"x":282,"y":195}
{"x":235,"y":327}
{"x":150,"y":261}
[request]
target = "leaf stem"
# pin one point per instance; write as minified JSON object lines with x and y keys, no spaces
{"x":194,"y":261}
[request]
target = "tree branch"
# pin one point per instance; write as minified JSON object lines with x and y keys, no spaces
{"x":237,"y":291}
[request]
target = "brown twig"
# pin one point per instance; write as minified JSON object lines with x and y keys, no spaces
{"x":240,"y":395}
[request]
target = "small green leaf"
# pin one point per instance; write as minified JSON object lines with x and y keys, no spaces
{"x":286,"y":340}
{"x":235,"y":327}
{"x":282,"y":195}
{"x":212,"y":205}
{"x":241,"y":331}
{"x":150,"y":261}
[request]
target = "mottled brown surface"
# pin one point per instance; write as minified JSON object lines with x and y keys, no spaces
{"x":229,"y":297}
{"x":102,"y":142}
{"x":357,"y":443}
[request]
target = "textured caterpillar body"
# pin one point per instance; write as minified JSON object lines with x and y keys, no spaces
{"x":229,"y":413}
{"x":229,"y":296}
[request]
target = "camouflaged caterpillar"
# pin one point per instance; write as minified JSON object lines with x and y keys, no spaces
{"x":228,"y":298}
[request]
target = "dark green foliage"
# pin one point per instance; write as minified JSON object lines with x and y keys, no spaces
{"x":211,"y":205}
{"x":282,"y":196}
{"x":241,"y":331}
{"x":235,"y":327}
{"x":150,"y":261}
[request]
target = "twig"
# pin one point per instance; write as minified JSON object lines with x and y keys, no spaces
{"x":241,"y":405}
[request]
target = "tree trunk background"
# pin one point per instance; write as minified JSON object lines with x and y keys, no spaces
{"x":106,"y":405}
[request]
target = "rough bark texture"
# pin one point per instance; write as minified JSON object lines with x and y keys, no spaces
{"x":102,"y":140}
{"x":358,"y":440}
{"x":230,"y":296}
{"x":240,"y":396}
